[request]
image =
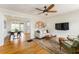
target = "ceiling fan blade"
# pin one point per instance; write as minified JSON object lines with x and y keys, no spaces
{"x":38,"y":9}
{"x":52,"y":11}
{"x":40,"y":13}
{"x":50,"y":7}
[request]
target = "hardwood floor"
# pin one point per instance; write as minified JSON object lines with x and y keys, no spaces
{"x":21,"y":46}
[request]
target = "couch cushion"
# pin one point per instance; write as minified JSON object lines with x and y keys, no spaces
{"x":69,"y":42}
{"x":71,"y":37}
{"x":75,"y":44}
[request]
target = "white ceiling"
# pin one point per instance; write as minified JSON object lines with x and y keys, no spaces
{"x":30,"y":8}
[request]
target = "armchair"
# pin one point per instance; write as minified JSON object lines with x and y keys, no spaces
{"x":70,"y":46}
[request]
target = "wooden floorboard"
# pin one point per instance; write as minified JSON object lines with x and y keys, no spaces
{"x":22,"y":47}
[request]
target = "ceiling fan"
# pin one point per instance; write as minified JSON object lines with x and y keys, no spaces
{"x":46,"y":9}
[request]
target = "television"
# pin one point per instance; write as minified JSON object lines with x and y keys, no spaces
{"x":62,"y":26}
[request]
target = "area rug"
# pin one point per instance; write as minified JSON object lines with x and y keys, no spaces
{"x":52,"y":46}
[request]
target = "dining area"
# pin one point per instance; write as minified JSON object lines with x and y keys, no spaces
{"x":15,"y":35}
{"x":16,"y":31}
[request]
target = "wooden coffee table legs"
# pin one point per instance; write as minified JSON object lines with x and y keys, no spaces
{"x":60,"y":43}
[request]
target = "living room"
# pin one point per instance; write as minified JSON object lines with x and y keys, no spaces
{"x":30,"y":17}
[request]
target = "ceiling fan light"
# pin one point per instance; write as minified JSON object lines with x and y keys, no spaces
{"x":46,"y":13}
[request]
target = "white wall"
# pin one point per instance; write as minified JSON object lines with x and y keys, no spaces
{"x":72,"y":18}
{"x":2,"y":29}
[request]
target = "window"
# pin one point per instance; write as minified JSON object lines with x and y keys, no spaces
{"x":19,"y":27}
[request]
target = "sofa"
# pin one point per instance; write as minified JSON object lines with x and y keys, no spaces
{"x":71,"y":46}
{"x":41,"y":33}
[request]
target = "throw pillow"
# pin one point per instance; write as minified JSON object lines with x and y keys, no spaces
{"x":71,"y":38}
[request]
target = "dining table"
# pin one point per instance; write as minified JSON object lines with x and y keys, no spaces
{"x":15,"y":34}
